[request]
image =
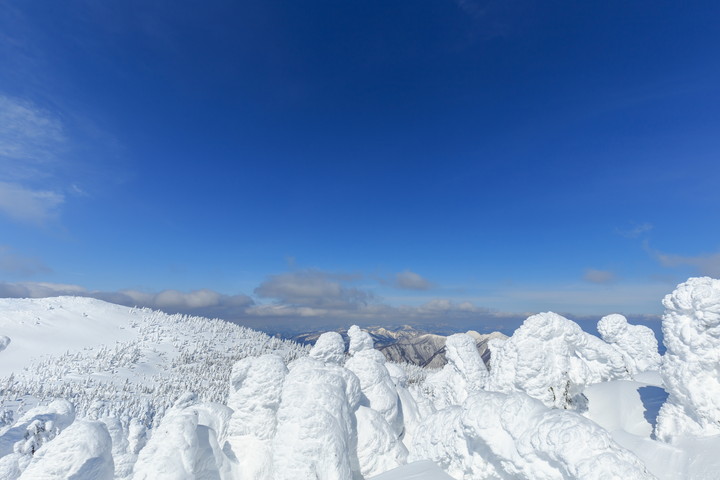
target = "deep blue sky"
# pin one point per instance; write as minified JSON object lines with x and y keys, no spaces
{"x":360,"y":160}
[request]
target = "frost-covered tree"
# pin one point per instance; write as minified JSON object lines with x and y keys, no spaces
{"x":691,"y":364}
{"x":552,"y":359}
{"x":316,"y":432}
{"x":636,"y":343}
{"x":83,"y":451}
{"x":378,"y":388}
{"x":512,"y":436}
{"x":255,"y":389}
{"x":464,"y":373}
{"x":329,"y":348}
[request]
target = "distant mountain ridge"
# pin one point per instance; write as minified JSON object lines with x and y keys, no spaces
{"x":408,"y":344}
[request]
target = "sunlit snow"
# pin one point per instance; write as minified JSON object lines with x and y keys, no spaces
{"x":92,"y":390}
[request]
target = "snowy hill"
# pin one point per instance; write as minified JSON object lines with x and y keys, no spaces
{"x":91,"y":390}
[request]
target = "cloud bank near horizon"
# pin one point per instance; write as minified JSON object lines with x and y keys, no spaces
{"x":309,"y":299}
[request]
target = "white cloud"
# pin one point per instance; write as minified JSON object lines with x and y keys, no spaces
{"x":27,"y":205}
{"x":201,"y":302}
{"x":598,"y":276}
{"x":411,"y":281}
{"x":312,"y":288}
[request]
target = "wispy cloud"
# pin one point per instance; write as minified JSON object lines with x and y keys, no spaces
{"x":411,"y":281}
{"x":13,"y":263}
{"x":598,"y":276}
{"x":635,"y":230}
{"x":30,"y":139}
{"x":708,"y":264}
{"x":28,"y":205}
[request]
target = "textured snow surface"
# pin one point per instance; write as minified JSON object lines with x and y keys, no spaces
{"x":691,"y":364}
{"x":636,"y":343}
{"x":552,"y":359}
{"x":152,"y":396}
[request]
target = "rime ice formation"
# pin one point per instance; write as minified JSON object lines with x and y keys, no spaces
{"x":187,"y":444}
{"x":359,"y":340}
{"x":323,"y":414}
{"x":464,"y":373}
{"x":550,"y":358}
{"x":329,"y":348}
{"x":636,"y":343}
{"x":376,"y":384}
{"x":255,"y":389}
{"x":316,"y":432}
{"x":502,"y":436}
{"x":691,"y":364}
{"x":83,"y":451}
{"x":378,"y":447}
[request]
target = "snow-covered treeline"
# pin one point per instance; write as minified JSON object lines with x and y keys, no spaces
{"x":188,"y":398}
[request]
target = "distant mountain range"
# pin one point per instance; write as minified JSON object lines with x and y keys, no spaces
{"x":408,"y":344}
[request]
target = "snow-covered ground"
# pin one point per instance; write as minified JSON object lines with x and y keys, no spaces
{"x":92,"y":390}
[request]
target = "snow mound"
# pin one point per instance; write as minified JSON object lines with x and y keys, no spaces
{"x":636,"y":343}
{"x":4,"y":342}
{"x":691,"y":364}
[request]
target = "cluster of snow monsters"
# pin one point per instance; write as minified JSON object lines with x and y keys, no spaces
{"x":337,"y":415}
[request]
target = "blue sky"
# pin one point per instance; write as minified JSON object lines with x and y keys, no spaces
{"x":440,"y":161}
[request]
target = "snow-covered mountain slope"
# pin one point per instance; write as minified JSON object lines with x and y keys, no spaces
{"x":111,"y":361}
{"x":156,"y":396}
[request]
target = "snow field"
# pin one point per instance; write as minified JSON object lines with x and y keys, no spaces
{"x":555,"y":402}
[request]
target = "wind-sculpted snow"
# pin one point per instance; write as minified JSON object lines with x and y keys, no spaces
{"x":316,"y":432}
{"x":636,"y":343}
{"x":83,"y":451}
{"x":550,"y":358}
{"x":499,"y":436}
{"x":187,"y":444}
{"x":464,"y":373}
{"x":38,"y":426}
{"x":691,"y":364}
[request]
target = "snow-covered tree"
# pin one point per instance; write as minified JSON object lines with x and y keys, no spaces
{"x":691,"y":364}
{"x":636,"y":343}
